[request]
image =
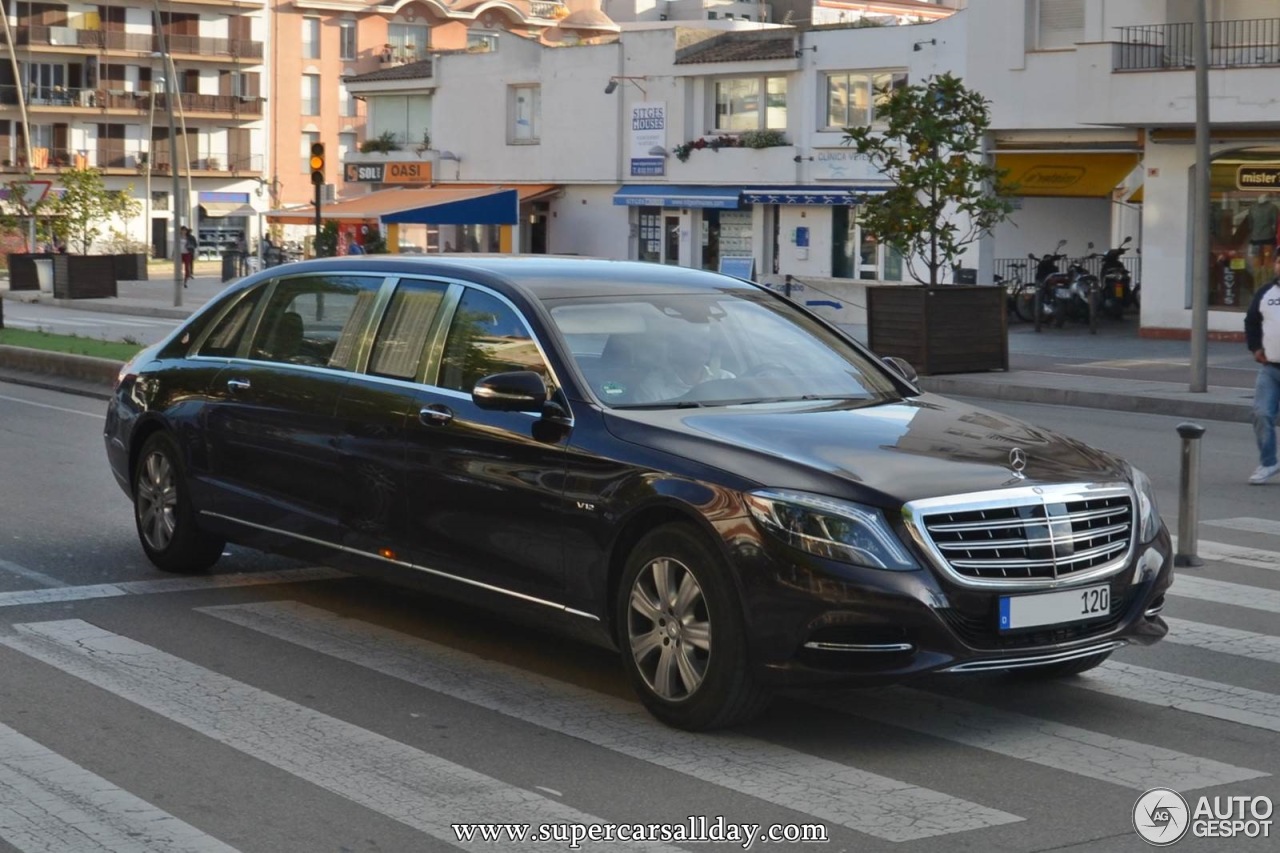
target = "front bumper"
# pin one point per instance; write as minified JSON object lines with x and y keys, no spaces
{"x":814,"y":621}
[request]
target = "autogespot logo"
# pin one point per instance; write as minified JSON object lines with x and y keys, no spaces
{"x":1161,"y":816}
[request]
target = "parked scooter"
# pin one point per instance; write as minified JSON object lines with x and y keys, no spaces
{"x":1083,"y":295}
{"x":1052,"y":287}
{"x":1117,"y":288}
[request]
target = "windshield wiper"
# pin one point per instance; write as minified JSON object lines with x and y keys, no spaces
{"x":675,"y":404}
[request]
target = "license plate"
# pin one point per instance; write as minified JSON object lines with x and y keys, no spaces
{"x":1063,"y":293}
{"x":1054,"y":608}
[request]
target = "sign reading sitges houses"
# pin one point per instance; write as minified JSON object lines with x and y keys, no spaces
{"x":648,"y":133}
{"x":387,"y":173}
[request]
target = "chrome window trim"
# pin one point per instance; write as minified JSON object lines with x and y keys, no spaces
{"x":913,"y":513}
{"x":402,"y":563}
{"x":1044,"y":659}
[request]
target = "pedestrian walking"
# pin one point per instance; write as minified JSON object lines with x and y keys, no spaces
{"x":1262,"y":336}
{"x":188,"y":255}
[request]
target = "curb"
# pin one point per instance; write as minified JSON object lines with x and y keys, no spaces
{"x":59,"y":371}
{"x":1225,"y":404}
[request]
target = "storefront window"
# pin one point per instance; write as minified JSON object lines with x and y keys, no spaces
{"x":1244,"y":225}
{"x":650,"y":235}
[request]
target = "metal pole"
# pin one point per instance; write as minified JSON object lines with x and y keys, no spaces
{"x":1200,"y":220}
{"x":1188,"y":496}
{"x":170,"y":85}
{"x":20,"y":87}
{"x":786,"y":286}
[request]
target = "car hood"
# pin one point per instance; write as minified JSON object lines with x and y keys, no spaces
{"x":924,"y":446}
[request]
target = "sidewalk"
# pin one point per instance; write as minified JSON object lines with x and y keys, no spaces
{"x":1114,"y":369}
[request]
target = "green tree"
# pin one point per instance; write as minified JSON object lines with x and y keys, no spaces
{"x":928,"y":140}
{"x":327,"y":240}
{"x":85,"y":204}
{"x":15,"y":212}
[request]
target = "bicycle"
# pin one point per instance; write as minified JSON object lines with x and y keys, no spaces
{"x":1021,"y":294}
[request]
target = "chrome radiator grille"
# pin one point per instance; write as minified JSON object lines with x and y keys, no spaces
{"x":1043,"y":538}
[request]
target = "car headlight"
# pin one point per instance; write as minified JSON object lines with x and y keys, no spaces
{"x":1148,"y":512}
{"x":827,"y":527}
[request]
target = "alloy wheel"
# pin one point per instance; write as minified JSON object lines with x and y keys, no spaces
{"x":157,"y":501}
{"x":669,"y":629}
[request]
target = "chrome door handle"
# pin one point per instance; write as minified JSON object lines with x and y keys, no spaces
{"x":234,"y":385}
{"x":435,"y":415}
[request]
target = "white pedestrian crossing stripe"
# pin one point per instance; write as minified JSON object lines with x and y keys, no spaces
{"x":1185,"y":693}
{"x":1062,"y":747}
{"x":1221,"y":592}
{"x":836,"y":793}
{"x":1231,"y":641}
{"x":51,"y":805}
{"x":1248,"y":525}
{"x":420,"y":790}
{"x":112,"y":590}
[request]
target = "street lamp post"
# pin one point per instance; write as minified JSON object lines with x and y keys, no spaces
{"x":171,"y":77}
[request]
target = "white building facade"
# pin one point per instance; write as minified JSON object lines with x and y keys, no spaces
{"x":1092,"y":105}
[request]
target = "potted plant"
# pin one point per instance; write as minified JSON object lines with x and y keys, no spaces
{"x":943,"y":197}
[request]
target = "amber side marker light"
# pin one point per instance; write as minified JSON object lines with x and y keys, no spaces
{"x":386,"y":553}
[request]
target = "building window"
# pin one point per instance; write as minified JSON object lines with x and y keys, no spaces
{"x":346,"y":144}
{"x":751,"y":103}
{"x":310,"y":38}
{"x":1059,"y":24}
{"x":856,"y":253}
{"x":526,"y":110}
{"x":346,"y":39}
{"x":347,"y":105}
{"x":408,"y":42}
{"x":309,"y":138}
{"x":853,"y":96}
{"x":481,"y":41}
{"x":311,"y":94}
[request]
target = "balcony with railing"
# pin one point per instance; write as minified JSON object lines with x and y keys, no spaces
{"x":46,"y":99}
{"x":40,"y":36}
{"x":550,"y":10}
{"x":1232,"y":44}
{"x":115,"y":156}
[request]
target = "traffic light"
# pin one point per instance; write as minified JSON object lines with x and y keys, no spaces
{"x":317,"y":163}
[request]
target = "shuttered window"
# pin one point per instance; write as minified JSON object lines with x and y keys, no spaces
{"x":1060,"y":24}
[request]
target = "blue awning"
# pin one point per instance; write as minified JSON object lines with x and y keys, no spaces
{"x":811,"y":194}
{"x":667,"y":195}
{"x":497,"y":208}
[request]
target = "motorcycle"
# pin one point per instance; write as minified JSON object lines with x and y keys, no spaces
{"x":1083,"y":296}
{"x":1052,"y":288}
{"x":1117,"y":288}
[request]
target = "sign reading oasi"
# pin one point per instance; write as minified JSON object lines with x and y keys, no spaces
{"x":387,"y":173}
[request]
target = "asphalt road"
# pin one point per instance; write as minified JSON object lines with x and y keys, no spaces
{"x":273,"y":707}
{"x":88,"y":324}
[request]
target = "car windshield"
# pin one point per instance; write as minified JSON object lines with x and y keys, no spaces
{"x":711,"y":349}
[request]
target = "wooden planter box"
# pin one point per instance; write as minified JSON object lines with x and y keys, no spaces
{"x":22,"y":270}
{"x":131,"y":267}
{"x":945,"y":329}
{"x":83,"y":276}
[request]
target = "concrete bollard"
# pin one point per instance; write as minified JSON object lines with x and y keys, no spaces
{"x":1189,"y":496}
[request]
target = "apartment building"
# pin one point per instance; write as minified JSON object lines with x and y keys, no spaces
{"x":317,"y":45}
{"x":92,"y":79}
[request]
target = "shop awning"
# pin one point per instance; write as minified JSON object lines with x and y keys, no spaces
{"x":1080,"y":174}
{"x":811,"y":194}
{"x":216,"y":209}
{"x":667,"y":195}
{"x":421,"y":205}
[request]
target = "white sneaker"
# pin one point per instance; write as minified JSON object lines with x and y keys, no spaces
{"x":1263,"y":473}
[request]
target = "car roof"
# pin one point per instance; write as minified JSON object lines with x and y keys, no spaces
{"x":542,"y":276}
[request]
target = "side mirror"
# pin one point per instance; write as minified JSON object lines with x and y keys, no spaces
{"x":1090,"y":245}
{"x":902,"y":367}
{"x":1061,"y":243}
{"x":1032,"y":257}
{"x":1126,"y":240}
{"x":518,"y":391}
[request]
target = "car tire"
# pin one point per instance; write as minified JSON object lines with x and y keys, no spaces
{"x":163,"y":513}
{"x":1065,"y":669}
{"x":682,"y":633}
